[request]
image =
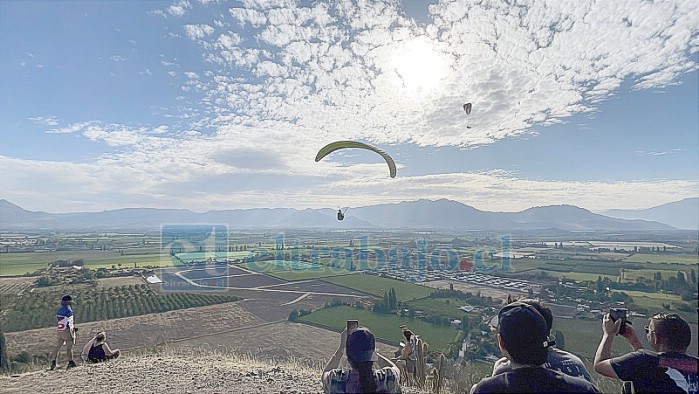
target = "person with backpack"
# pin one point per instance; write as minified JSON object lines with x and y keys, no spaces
{"x":97,"y":350}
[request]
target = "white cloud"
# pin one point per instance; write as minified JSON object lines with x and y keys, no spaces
{"x":118,"y":58}
{"x":536,"y":64}
{"x":179,"y":8}
{"x":196,"y":32}
{"x":167,"y":179}
{"x":45,"y":120}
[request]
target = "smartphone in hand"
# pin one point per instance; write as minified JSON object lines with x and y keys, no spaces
{"x":352,"y":325}
{"x":619,"y":313}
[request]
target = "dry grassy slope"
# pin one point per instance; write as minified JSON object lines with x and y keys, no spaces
{"x":175,"y":371}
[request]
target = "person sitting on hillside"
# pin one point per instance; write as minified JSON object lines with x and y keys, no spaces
{"x":523,"y":339}
{"x":556,"y":359}
{"x":669,"y":369}
{"x":97,"y":350}
{"x":407,"y":360}
{"x":361,"y":378}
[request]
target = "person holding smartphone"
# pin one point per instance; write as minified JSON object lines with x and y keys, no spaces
{"x":667,"y":369}
{"x":360,"y":345}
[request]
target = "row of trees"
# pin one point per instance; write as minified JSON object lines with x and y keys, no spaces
{"x":38,"y":309}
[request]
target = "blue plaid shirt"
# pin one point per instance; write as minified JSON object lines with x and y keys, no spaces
{"x":341,"y":381}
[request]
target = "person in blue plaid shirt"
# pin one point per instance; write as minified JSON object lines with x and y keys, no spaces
{"x":361,"y":377}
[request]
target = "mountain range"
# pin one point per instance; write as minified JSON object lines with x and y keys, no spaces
{"x":421,"y":214}
{"x":683,"y":214}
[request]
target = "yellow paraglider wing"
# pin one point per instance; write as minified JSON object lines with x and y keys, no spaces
{"x":333,"y":146}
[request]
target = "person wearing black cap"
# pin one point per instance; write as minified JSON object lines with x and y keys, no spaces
{"x":523,"y":339}
{"x":556,"y":359}
{"x":361,"y":378}
{"x":65,"y":332}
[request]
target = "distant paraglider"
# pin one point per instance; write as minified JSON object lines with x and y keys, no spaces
{"x":340,"y":214}
{"x":467,"y":108}
{"x":333,"y":146}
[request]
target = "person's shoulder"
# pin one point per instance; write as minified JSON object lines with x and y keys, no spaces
{"x":563,"y":355}
{"x":65,"y":311}
{"x":387,"y":373}
{"x":502,"y":365}
{"x":333,"y":377}
{"x":387,"y":379}
{"x":491,"y":384}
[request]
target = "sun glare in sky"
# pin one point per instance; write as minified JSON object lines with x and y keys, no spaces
{"x":419,"y":66}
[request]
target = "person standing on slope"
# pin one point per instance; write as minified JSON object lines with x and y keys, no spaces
{"x":65,"y":332}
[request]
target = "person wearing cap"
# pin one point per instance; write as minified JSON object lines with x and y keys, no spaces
{"x":667,"y":369}
{"x":360,"y":346}
{"x":65,"y":332}
{"x":523,"y":339}
{"x":556,"y":359}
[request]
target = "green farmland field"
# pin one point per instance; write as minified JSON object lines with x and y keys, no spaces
{"x":439,"y":306}
{"x":28,"y":262}
{"x":386,"y":327}
{"x":663,"y":258}
{"x":294,"y":271}
{"x":377,"y":286}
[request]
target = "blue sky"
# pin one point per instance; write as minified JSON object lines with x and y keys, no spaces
{"x":204,"y":104}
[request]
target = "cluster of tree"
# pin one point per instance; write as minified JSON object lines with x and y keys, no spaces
{"x":680,"y":284}
{"x":469,"y":297}
{"x":389,"y":303}
{"x":67,"y":263}
{"x":296,"y":314}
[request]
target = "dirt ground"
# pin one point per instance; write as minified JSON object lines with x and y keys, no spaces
{"x":106,"y":283}
{"x":279,"y":341}
{"x":142,"y":331}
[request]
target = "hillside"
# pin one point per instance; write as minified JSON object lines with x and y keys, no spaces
{"x":180,"y":370}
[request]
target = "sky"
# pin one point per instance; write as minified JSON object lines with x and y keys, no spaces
{"x":208,"y":105}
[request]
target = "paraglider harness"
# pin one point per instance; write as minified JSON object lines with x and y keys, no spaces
{"x":340,"y":214}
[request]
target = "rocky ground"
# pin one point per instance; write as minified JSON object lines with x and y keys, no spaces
{"x":175,"y":371}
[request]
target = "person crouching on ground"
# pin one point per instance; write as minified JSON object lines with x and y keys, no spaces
{"x":97,"y":350}
{"x":361,"y":378}
{"x":523,"y":339}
